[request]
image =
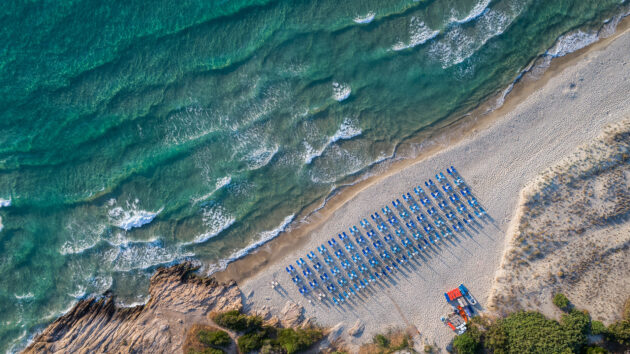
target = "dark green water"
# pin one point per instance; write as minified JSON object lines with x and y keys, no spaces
{"x":218,"y":122}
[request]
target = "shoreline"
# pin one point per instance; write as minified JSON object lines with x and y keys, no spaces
{"x":445,"y":134}
{"x":540,"y":124}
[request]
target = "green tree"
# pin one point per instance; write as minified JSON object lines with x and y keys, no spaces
{"x":598,"y":328}
{"x":620,"y":331}
{"x":466,"y":344}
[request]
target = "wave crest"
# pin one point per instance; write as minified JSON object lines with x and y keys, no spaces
{"x":367,"y":18}
{"x":341,"y":91}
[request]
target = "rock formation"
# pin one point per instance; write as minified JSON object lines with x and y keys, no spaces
{"x":178,"y":299}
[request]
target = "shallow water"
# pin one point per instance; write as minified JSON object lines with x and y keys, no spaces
{"x":133,"y":136}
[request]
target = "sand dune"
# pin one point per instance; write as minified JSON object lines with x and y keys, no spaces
{"x":573,"y":233}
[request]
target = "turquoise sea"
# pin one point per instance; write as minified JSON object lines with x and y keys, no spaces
{"x":135,"y":134}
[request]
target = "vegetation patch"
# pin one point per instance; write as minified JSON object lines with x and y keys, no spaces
{"x":267,"y":339}
{"x":202,"y":339}
{"x":561,"y":301}
{"x":390,"y":342}
{"x":237,"y":321}
{"x":532,"y":332}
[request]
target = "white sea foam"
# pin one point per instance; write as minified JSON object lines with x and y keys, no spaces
{"x":367,"y":18}
{"x":476,"y":11}
{"x":134,"y":256}
{"x":191,"y":123}
{"x":26,"y":296}
{"x":347,"y":130}
{"x":261,"y":157}
{"x":571,"y":42}
{"x":5,"y":202}
{"x":419,"y":33}
{"x":263,"y":238}
{"x":458,"y":45}
{"x":220,"y":183}
{"x":1,"y":225}
{"x":100,"y":284}
{"x":341,"y":91}
{"x":82,"y":236}
{"x":217,"y":219}
{"x":341,"y":163}
{"x":131,"y":218}
{"x":79,"y":293}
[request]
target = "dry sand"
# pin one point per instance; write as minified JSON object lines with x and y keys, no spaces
{"x":546,"y":122}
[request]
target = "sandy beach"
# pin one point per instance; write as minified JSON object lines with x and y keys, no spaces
{"x":541,"y":123}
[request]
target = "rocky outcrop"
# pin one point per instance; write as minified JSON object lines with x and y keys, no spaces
{"x":357,"y":329}
{"x":178,"y":299}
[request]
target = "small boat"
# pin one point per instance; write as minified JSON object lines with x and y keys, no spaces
{"x":471,"y":299}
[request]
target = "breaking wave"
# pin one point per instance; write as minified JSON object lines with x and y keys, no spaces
{"x":262,"y":238}
{"x":131,"y":218}
{"x":347,"y":130}
{"x":367,"y":18}
{"x":341,"y":91}
{"x":419,"y":33}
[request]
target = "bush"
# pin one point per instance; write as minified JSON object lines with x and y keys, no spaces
{"x":596,"y":350}
{"x":250,"y":342}
{"x":206,"y":351}
{"x":530,"y":332}
{"x":561,"y":301}
{"x":381,"y":341}
{"x":237,"y":321}
{"x":214,"y":338}
{"x":576,"y":325}
{"x":598,"y":328}
{"x":465,"y":344}
{"x":620,"y":331}
{"x":294,"y":341}
{"x":269,"y":348}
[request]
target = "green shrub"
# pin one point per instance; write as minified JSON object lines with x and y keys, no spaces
{"x":576,"y":325}
{"x":250,"y":342}
{"x":381,"y":341}
{"x":294,"y":341}
{"x":596,"y":350}
{"x":561,"y":301}
{"x":214,"y":338}
{"x":620,"y":331}
{"x":269,"y":348}
{"x":598,"y":328}
{"x":465,"y":344}
{"x":530,"y":332}
{"x":237,"y":321}
{"x":206,"y":351}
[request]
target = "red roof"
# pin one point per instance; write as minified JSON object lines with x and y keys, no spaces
{"x":454,"y":294}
